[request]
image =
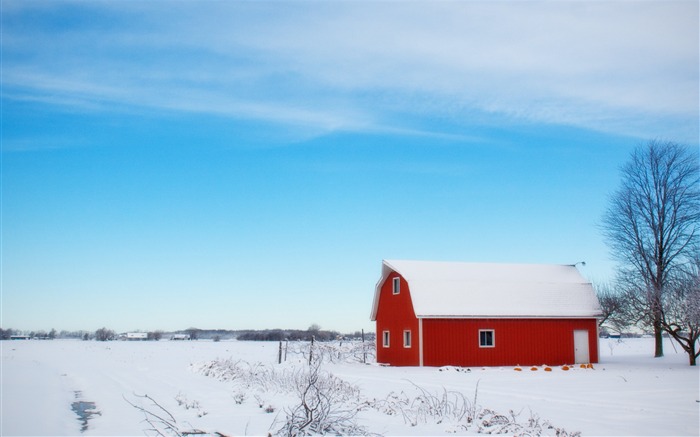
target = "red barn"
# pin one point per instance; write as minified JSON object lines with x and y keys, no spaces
{"x":471,"y":314}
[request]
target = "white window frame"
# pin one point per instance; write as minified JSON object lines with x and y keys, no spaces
{"x":386,"y":337}
{"x":493,"y":338}
{"x":396,"y":285}
{"x":407,"y":340}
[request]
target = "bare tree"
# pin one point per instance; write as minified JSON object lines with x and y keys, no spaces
{"x":614,"y":307}
{"x":155,"y":335}
{"x":681,"y":318}
{"x":193,"y":333}
{"x":652,"y":224}
{"x":104,"y":334}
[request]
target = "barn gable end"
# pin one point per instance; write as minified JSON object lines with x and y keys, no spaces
{"x":396,"y":323}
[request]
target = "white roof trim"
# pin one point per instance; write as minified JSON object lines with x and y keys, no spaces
{"x":482,"y":290}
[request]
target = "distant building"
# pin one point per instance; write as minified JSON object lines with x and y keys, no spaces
{"x":20,"y":337}
{"x":467,"y":314}
{"x":137,"y":336}
{"x":180,"y":337}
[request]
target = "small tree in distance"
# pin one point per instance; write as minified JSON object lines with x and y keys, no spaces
{"x":155,"y":335}
{"x":104,"y":334}
{"x":193,"y":333}
{"x":614,"y":308}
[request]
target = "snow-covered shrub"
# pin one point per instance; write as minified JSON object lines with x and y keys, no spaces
{"x":247,"y":375}
{"x":491,"y":422}
{"x":334,"y":351}
{"x":159,"y":420}
{"x":327,"y":405}
{"x":182,"y":401}
{"x":454,"y":409}
{"x":239,"y":397}
{"x":450,"y":406}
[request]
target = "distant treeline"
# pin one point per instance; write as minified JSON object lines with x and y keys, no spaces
{"x":5,"y":334}
{"x":314,"y":331}
{"x":291,"y":335}
{"x":105,"y":334}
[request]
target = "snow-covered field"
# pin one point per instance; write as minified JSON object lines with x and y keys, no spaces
{"x":627,"y":393}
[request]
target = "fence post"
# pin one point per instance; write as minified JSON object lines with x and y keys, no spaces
{"x":364,"y":350}
{"x":279,"y":357}
{"x":311,"y":350}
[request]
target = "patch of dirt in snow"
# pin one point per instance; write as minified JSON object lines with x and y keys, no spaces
{"x":85,"y":410}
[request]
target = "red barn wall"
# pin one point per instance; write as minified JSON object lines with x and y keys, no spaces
{"x":395,"y":314}
{"x":517,"y":341}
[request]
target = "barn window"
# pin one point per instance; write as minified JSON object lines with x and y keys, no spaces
{"x":487,"y":338}
{"x":396,"y":285}
{"x":385,"y":338}
{"x":407,"y":339}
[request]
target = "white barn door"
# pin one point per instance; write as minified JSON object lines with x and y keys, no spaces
{"x":581,"y":353}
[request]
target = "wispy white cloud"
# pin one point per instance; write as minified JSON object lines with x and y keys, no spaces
{"x":623,"y":67}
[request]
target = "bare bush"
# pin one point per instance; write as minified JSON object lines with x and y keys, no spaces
{"x":327,"y":405}
{"x":161,"y":422}
{"x":427,"y":407}
{"x":249,"y":376}
{"x":491,"y":422}
{"x":239,"y":397}
{"x":182,"y":401}
{"x":349,"y":351}
{"x":454,"y":408}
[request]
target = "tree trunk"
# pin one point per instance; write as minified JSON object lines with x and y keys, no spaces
{"x":692,"y":355}
{"x":658,"y":340}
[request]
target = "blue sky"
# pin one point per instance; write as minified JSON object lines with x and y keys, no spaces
{"x":249,"y":164}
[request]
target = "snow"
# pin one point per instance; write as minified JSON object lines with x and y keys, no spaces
{"x":442,"y":289}
{"x":628,"y":393}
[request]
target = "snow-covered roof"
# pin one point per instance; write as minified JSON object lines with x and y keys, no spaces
{"x":457,"y":290}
